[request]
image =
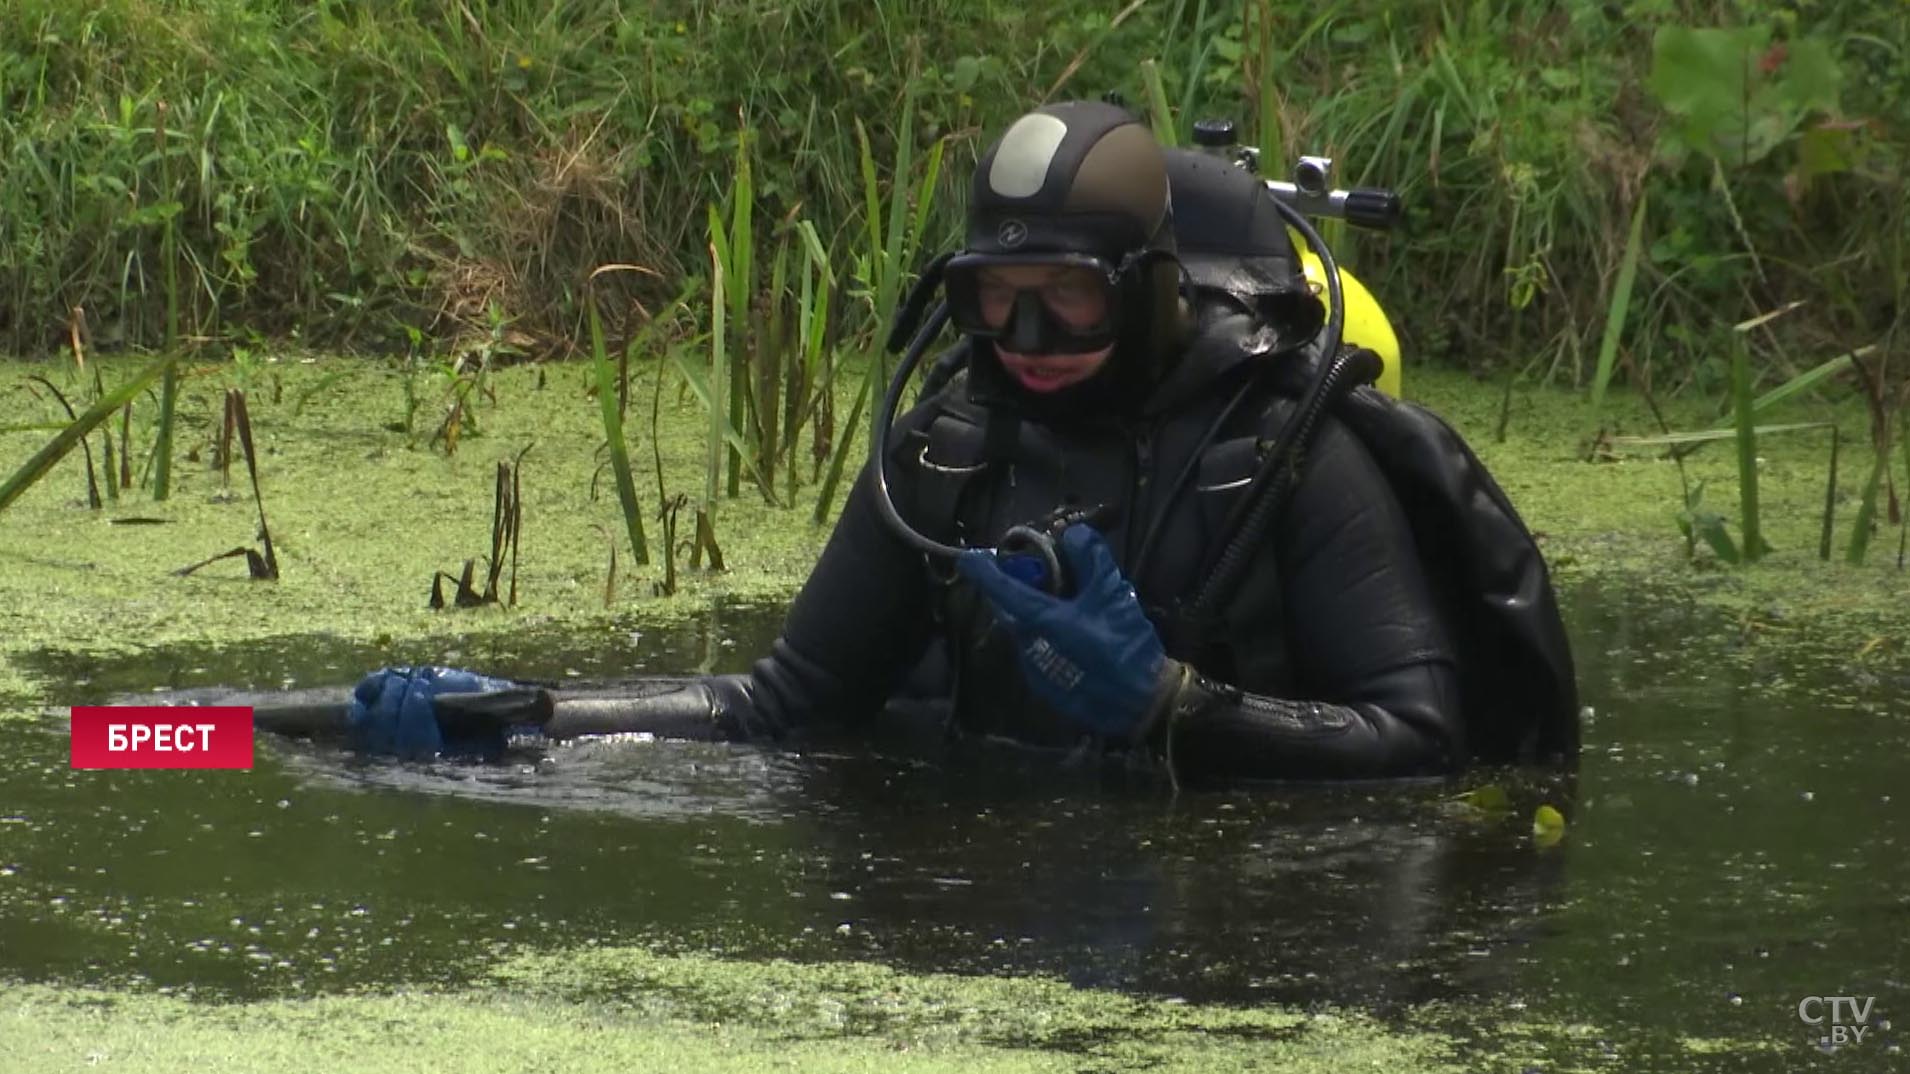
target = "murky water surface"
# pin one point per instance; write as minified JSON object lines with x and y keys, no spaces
{"x":1735,"y":845}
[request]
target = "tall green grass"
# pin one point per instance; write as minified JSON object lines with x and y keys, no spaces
{"x":883,"y":266}
{"x":345,"y":171}
{"x":412,"y":175}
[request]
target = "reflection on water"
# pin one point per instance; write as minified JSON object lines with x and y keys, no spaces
{"x":1733,"y":847}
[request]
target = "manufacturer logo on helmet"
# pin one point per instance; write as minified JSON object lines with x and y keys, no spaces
{"x":1011,"y":233}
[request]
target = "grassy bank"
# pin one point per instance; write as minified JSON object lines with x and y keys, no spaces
{"x":409,"y":175}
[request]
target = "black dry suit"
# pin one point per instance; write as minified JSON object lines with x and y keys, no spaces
{"x":1332,"y":660}
{"x":1333,"y":653}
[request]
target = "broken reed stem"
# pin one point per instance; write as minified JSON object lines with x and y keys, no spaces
{"x":610,"y":579}
{"x":517,"y":518}
{"x":1830,"y":500}
{"x":106,"y":462}
{"x":1904,"y":533}
{"x":507,"y":523}
{"x":666,"y":506}
{"x":92,"y":480}
{"x":668,"y":514}
{"x":507,"y":516}
{"x":126,"y":446}
{"x":168,"y":256}
{"x":235,"y":399}
{"x":226,"y":430}
{"x":706,"y":541}
{"x":106,"y":438}
{"x":75,"y":324}
{"x":500,"y":527}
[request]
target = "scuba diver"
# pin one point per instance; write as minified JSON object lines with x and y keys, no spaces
{"x":1130,"y":511}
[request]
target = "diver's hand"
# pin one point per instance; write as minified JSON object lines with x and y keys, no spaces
{"x":392,"y":712}
{"x":1093,"y":656}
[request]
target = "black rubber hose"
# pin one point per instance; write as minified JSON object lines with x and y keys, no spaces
{"x":1262,"y":502}
{"x":879,"y":440}
{"x":1345,"y":371}
{"x":1020,"y":540}
{"x":1166,"y":508}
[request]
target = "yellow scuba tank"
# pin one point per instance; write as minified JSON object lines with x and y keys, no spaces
{"x":1366,"y":323}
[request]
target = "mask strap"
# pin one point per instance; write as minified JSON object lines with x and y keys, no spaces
{"x":1142,"y":260}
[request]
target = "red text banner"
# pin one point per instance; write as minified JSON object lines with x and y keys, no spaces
{"x":162,"y":736}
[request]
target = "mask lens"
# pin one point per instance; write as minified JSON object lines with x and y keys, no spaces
{"x":1078,"y":299}
{"x":1074,"y":300}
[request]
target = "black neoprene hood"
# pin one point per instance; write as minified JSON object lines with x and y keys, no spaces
{"x":1085,"y":179}
{"x":1079,"y":176}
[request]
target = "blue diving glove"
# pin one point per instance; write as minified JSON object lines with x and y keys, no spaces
{"x":1093,"y":656}
{"x":392,"y":713}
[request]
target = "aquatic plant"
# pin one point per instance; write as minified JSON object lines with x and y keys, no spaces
{"x":92,"y":481}
{"x":344,"y":171}
{"x":261,"y":565}
{"x":810,"y":396}
{"x":1694,"y":521}
{"x":1746,"y":439}
{"x":1618,"y":305}
{"x":507,"y":522}
{"x":1903,"y":531}
{"x":1548,"y":826}
{"x":608,"y":396}
{"x":883,"y":264}
{"x":75,"y":433}
{"x":1864,"y":524}
{"x":1884,"y":408}
{"x":733,"y":343}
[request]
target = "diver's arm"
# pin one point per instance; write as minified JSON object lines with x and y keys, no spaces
{"x":853,"y":632}
{"x":1376,"y":692}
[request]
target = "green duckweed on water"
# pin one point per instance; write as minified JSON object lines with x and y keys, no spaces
{"x":361,"y":515}
{"x":628,"y":1009}
{"x":622,"y":1010}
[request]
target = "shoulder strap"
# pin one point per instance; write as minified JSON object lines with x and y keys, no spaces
{"x":947,"y":453}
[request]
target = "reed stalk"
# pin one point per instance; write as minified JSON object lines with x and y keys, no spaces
{"x":1754,"y":546}
{"x":613,"y":421}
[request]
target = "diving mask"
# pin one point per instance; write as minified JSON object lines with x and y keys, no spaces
{"x":1047,"y":303}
